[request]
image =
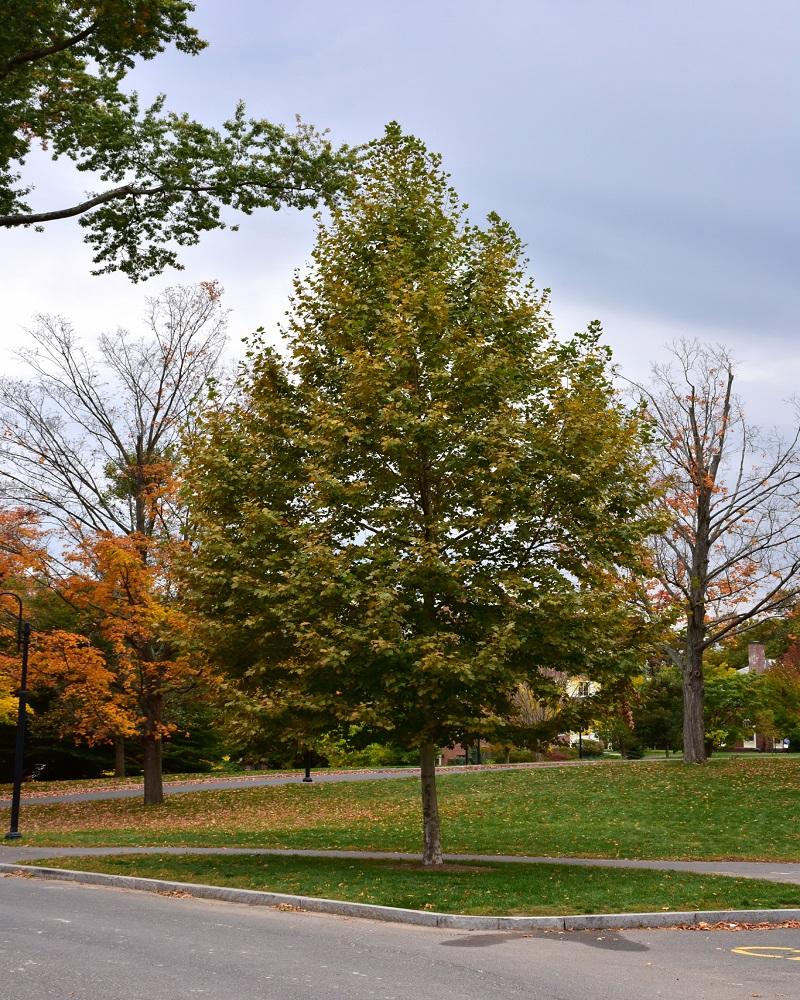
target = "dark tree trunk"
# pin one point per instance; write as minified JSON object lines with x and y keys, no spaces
{"x":694,"y":729}
{"x":153,"y":785}
{"x":694,"y":743}
{"x":151,"y":743}
{"x":119,"y":757}
{"x":432,"y":846}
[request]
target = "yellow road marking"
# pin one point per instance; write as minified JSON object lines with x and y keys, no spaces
{"x":768,"y":951}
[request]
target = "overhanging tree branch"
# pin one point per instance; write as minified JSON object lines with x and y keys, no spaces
{"x":50,"y":50}
{"x":132,"y":190}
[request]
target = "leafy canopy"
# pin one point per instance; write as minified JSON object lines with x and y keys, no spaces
{"x":433,"y":496}
{"x":162,"y":178}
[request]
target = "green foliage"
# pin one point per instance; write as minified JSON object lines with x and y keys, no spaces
{"x":734,"y":707}
{"x":62,"y":758}
{"x":592,"y":748}
{"x":618,"y":732}
{"x":517,"y":755}
{"x":658,"y":713}
{"x":434,"y":497}
{"x":776,"y":634}
{"x":780,"y":691}
{"x":164,"y":178}
{"x":341,"y":753}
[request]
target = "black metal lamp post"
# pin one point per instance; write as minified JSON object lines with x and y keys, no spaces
{"x":23,"y":644}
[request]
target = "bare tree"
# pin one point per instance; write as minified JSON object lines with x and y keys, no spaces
{"x":731,"y":556}
{"x":86,"y":438}
{"x":90,"y":441}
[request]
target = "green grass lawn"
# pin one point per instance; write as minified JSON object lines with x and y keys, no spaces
{"x":743,"y":808}
{"x":485,"y":888}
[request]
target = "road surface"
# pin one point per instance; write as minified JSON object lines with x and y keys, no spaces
{"x":71,"y":942}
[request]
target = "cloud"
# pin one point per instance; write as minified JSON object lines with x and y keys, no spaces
{"x":647,"y":153}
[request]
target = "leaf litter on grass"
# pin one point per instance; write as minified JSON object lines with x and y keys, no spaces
{"x":647,"y":810}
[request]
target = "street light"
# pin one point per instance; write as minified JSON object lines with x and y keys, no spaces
{"x":307,"y":765}
{"x":23,"y":644}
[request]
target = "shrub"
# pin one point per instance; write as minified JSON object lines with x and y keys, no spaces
{"x":592,"y":748}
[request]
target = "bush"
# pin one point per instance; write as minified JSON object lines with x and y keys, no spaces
{"x":592,"y":748}
{"x":339,"y":753}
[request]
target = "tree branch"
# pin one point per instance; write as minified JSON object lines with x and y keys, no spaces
{"x":33,"y":55}
{"x":11,"y":221}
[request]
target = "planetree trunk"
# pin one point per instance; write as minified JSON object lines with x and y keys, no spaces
{"x":153,"y":785}
{"x":694,"y":750}
{"x":151,"y":742}
{"x":432,"y":846}
{"x":119,"y":757}
{"x":694,"y":730}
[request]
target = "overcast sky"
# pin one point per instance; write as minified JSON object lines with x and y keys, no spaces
{"x":647,"y":152}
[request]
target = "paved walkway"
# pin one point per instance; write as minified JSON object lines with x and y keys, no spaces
{"x":32,"y":797}
{"x":771,"y":871}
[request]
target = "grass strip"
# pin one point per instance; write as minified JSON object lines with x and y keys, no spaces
{"x":494,"y":889}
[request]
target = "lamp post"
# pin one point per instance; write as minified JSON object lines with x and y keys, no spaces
{"x":23,"y":644}
{"x":307,"y":765}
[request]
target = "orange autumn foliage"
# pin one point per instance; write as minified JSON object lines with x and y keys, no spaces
{"x":21,"y":553}
{"x":64,"y":667}
{"x":85,"y":703}
{"x":124,"y":586}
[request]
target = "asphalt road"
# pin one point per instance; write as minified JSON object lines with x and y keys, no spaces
{"x":66,"y":941}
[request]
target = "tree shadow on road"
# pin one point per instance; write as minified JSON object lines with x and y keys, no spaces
{"x":608,"y":941}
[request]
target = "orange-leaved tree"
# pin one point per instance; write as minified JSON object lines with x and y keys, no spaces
{"x":124,"y":587}
{"x":90,"y":442}
{"x":67,"y":674}
{"x":21,"y":556}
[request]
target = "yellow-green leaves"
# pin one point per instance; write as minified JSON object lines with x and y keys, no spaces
{"x":434,"y":496}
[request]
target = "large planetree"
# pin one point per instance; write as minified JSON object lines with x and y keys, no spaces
{"x":160,"y":179}
{"x":432,"y":497}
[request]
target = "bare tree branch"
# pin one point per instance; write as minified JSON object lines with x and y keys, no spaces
{"x":85,"y":441}
{"x":732,"y":553}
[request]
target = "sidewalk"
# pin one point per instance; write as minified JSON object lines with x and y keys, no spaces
{"x":771,"y":871}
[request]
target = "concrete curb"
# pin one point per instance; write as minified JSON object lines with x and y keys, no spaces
{"x":392,"y":914}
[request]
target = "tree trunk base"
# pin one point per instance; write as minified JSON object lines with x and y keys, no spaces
{"x":432,"y":846}
{"x":153,"y":784}
{"x":694,"y":737}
